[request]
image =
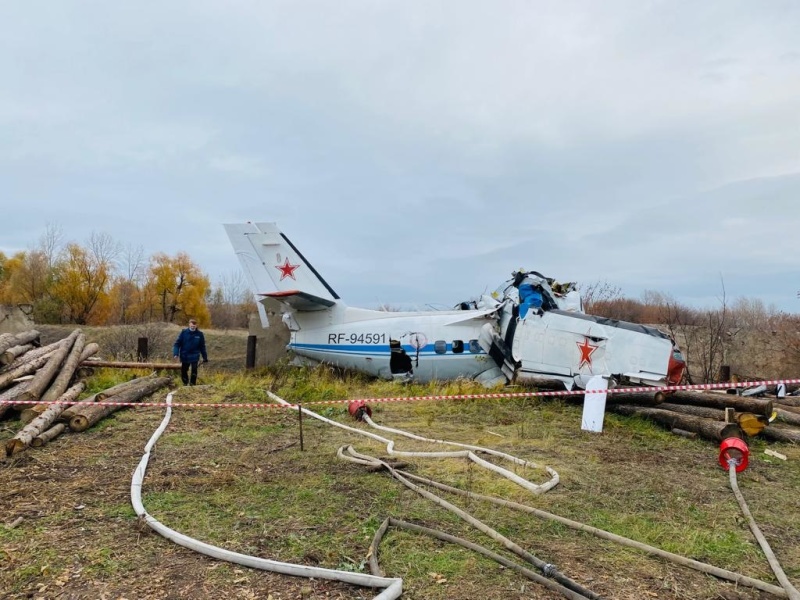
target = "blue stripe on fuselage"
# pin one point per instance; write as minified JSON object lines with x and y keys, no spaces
{"x":381,"y":349}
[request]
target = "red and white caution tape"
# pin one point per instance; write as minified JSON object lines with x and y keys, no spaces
{"x":509,"y":395}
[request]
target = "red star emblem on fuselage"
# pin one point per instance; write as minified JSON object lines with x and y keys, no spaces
{"x":586,"y":352}
{"x":287,"y":269}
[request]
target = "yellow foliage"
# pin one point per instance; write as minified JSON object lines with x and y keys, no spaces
{"x":177,"y":287}
{"x":26,"y":278}
{"x":81,"y":284}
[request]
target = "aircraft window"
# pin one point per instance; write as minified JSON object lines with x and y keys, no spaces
{"x":458,"y":346}
{"x":474,"y":346}
{"x":440,"y":346}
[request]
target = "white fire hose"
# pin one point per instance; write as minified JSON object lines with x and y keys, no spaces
{"x":393,"y":587}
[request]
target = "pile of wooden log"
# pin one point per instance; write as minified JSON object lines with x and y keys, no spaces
{"x":715,"y":416}
{"x":43,"y":385}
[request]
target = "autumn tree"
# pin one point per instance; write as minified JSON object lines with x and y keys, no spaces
{"x":81,"y":284}
{"x":3,"y":275}
{"x":126,"y":293}
{"x":7,"y":266}
{"x":28,"y":277}
{"x":176,"y":286}
{"x":29,"y":281}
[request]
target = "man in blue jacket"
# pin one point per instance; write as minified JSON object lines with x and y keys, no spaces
{"x":189,"y":347}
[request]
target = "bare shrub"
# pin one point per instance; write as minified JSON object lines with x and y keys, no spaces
{"x":230,"y":302}
{"x":623,"y":309}
{"x":121,"y":342}
{"x":598,"y":292}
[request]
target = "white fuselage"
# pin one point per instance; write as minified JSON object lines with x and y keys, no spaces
{"x":569,"y":346}
{"x":442,"y":344}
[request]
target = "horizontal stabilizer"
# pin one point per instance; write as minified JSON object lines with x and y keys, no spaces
{"x":301,"y":301}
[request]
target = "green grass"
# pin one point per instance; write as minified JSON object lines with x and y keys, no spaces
{"x":238,"y":478}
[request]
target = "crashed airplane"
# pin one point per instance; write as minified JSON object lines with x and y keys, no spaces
{"x":529,"y":329}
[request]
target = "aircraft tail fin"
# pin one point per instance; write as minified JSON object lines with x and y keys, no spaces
{"x":276,"y":269}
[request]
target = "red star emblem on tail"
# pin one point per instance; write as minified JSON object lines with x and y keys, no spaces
{"x":287,"y":269}
{"x":586,"y":350}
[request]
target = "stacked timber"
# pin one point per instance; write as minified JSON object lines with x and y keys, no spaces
{"x":12,"y":346}
{"x":91,"y":414}
{"x":44,"y":383}
{"x":714,"y":416}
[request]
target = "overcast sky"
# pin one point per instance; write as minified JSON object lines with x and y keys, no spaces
{"x":418,"y":152}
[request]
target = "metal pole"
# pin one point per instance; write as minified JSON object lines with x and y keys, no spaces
{"x":300,"y":416}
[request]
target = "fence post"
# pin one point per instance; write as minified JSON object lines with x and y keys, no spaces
{"x":250,"y":361}
{"x":141,"y":350}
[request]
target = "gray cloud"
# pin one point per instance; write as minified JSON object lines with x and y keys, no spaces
{"x":417,"y":153}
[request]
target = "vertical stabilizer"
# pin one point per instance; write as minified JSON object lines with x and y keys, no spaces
{"x":274,"y":267}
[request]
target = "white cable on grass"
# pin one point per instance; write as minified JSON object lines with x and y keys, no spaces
{"x":736,"y":578}
{"x":709,"y":569}
{"x":791,"y":591}
{"x":393,"y":586}
{"x":468,"y":453}
{"x":571,"y":587}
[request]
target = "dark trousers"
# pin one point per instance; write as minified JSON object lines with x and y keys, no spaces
{"x":185,"y":373}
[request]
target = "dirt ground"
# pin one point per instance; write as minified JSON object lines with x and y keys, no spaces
{"x":69,"y":492}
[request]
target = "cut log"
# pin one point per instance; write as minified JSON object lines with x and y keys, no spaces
{"x":89,"y":350}
{"x":696,"y":411}
{"x":85,"y":372}
{"x":749,"y":423}
{"x":27,"y":367}
{"x":90,"y":400}
{"x":705,"y":428}
{"x":48,"y":372}
{"x":6,"y":338}
{"x":14,"y":353}
{"x":639,"y":398}
{"x":102,"y":395}
{"x":31,"y":355}
{"x":683,"y":433}
{"x":70,"y":412}
{"x":9,"y":396}
{"x":67,"y":399}
{"x":92,"y":414}
{"x":758,"y":406}
{"x":781,"y":433}
{"x":49,"y":435}
{"x":61,"y":382}
{"x":125,"y":386}
{"x":130,"y":365}
{"x":789,"y":417}
{"x":10,"y":340}
{"x":793,"y":401}
{"x":39,"y":424}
